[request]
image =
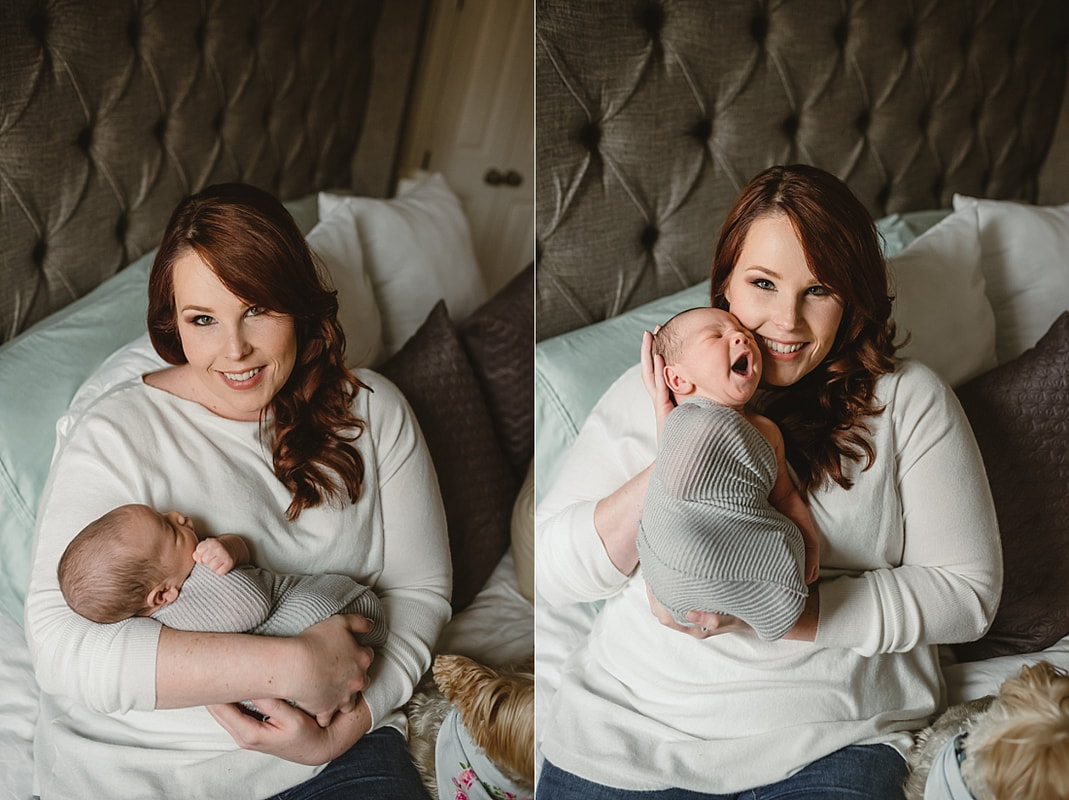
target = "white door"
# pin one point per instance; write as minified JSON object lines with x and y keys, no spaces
{"x":475,"y":124}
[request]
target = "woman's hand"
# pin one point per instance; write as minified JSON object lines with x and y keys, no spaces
{"x":330,"y":668}
{"x":289,"y":733}
{"x":653,"y":379}
{"x":705,"y":624}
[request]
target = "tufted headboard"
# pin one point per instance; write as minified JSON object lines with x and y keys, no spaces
{"x":653,"y":114}
{"x":112,"y":110}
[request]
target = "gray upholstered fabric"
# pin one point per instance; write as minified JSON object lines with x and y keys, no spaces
{"x":112,"y":110}
{"x":653,"y":114}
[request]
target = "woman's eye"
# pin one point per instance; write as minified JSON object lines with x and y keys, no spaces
{"x":255,"y":311}
{"x":819,"y":291}
{"x":763,"y":283}
{"x":201,"y":319}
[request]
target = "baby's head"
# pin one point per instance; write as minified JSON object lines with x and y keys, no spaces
{"x":128,"y":563}
{"x":707,"y":352}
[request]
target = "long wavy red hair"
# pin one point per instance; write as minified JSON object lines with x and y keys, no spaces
{"x":251,"y":243}
{"x":822,"y":416}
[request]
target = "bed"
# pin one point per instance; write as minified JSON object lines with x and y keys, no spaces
{"x":110,"y":113}
{"x":949,"y":122}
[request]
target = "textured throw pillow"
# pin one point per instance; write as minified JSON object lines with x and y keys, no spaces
{"x":477,"y":484}
{"x":1020,"y":414}
{"x":337,"y":244}
{"x":417,"y":249}
{"x":1026,"y":267}
{"x":499,"y":338}
{"x":940,"y":300}
{"x":523,"y":535}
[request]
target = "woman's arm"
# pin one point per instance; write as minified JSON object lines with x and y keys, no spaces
{"x":111,"y":668}
{"x":322,"y":670}
{"x":786,"y":498}
{"x":416,"y":579}
{"x":586,"y":525}
{"x":948,"y":582}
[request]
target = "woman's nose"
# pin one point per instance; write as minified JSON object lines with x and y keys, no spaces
{"x":238,"y":343}
{"x":786,"y":314}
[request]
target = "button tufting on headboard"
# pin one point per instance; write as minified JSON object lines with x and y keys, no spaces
{"x":110,"y":112}
{"x":909,"y":103}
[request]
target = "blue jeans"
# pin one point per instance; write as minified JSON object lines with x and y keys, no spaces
{"x":376,"y":766}
{"x":873,"y":772}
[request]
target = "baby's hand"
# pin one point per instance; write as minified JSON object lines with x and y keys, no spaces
{"x":213,"y":554}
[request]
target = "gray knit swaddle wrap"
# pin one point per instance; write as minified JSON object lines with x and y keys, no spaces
{"x":252,"y":600}
{"x":709,"y":539}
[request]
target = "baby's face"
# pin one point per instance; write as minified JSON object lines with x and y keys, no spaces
{"x":171,"y":539}
{"x":720,"y":356}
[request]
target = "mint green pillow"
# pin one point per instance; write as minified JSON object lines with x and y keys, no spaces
{"x":573,"y":370}
{"x":40,"y":371}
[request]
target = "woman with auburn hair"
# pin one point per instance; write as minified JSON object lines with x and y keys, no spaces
{"x":885,"y":457}
{"x":259,"y":423}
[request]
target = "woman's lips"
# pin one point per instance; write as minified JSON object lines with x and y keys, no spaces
{"x":246,"y":379}
{"x":783,"y":350}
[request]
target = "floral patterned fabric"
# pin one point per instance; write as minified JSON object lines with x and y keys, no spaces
{"x":464,"y":770}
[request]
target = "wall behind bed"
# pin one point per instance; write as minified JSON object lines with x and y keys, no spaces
{"x":653,"y":114}
{"x":112,"y":111}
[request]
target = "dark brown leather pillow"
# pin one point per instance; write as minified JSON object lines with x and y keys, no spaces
{"x":1020,"y":415}
{"x":475,"y":478}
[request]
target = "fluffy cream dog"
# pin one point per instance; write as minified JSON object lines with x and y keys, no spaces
{"x":473,"y":734}
{"x":1009,"y":746}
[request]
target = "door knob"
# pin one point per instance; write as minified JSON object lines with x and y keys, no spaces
{"x":495,"y":177}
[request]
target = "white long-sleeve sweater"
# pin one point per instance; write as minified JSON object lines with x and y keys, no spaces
{"x":910,"y":558}
{"x":98,"y":734}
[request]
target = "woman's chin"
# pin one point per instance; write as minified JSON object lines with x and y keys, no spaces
{"x":783,"y":374}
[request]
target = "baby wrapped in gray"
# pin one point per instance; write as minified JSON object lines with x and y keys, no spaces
{"x":709,"y":539}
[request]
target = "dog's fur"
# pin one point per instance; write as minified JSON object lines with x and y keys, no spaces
{"x":1018,"y":740}
{"x":497,"y":707}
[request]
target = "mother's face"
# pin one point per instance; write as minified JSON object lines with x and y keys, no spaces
{"x":773,"y":293}
{"x":239,"y":355}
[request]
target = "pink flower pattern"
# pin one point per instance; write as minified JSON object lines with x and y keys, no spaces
{"x":467,"y":778}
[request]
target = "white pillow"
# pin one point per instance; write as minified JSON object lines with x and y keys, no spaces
{"x":417,"y":249}
{"x":1025,"y":263}
{"x":940,"y":300}
{"x":335,"y":241}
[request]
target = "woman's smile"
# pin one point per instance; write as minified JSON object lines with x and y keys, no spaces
{"x":239,"y":354}
{"x":781,"y":349}
{"x":243,"y":380}
{"x":772,"y":291}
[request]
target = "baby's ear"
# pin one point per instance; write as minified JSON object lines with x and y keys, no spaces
{"x":160,"y":596}
{"x":676,"y":382}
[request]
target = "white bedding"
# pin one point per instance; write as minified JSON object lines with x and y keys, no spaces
{"x":497,"y":628}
